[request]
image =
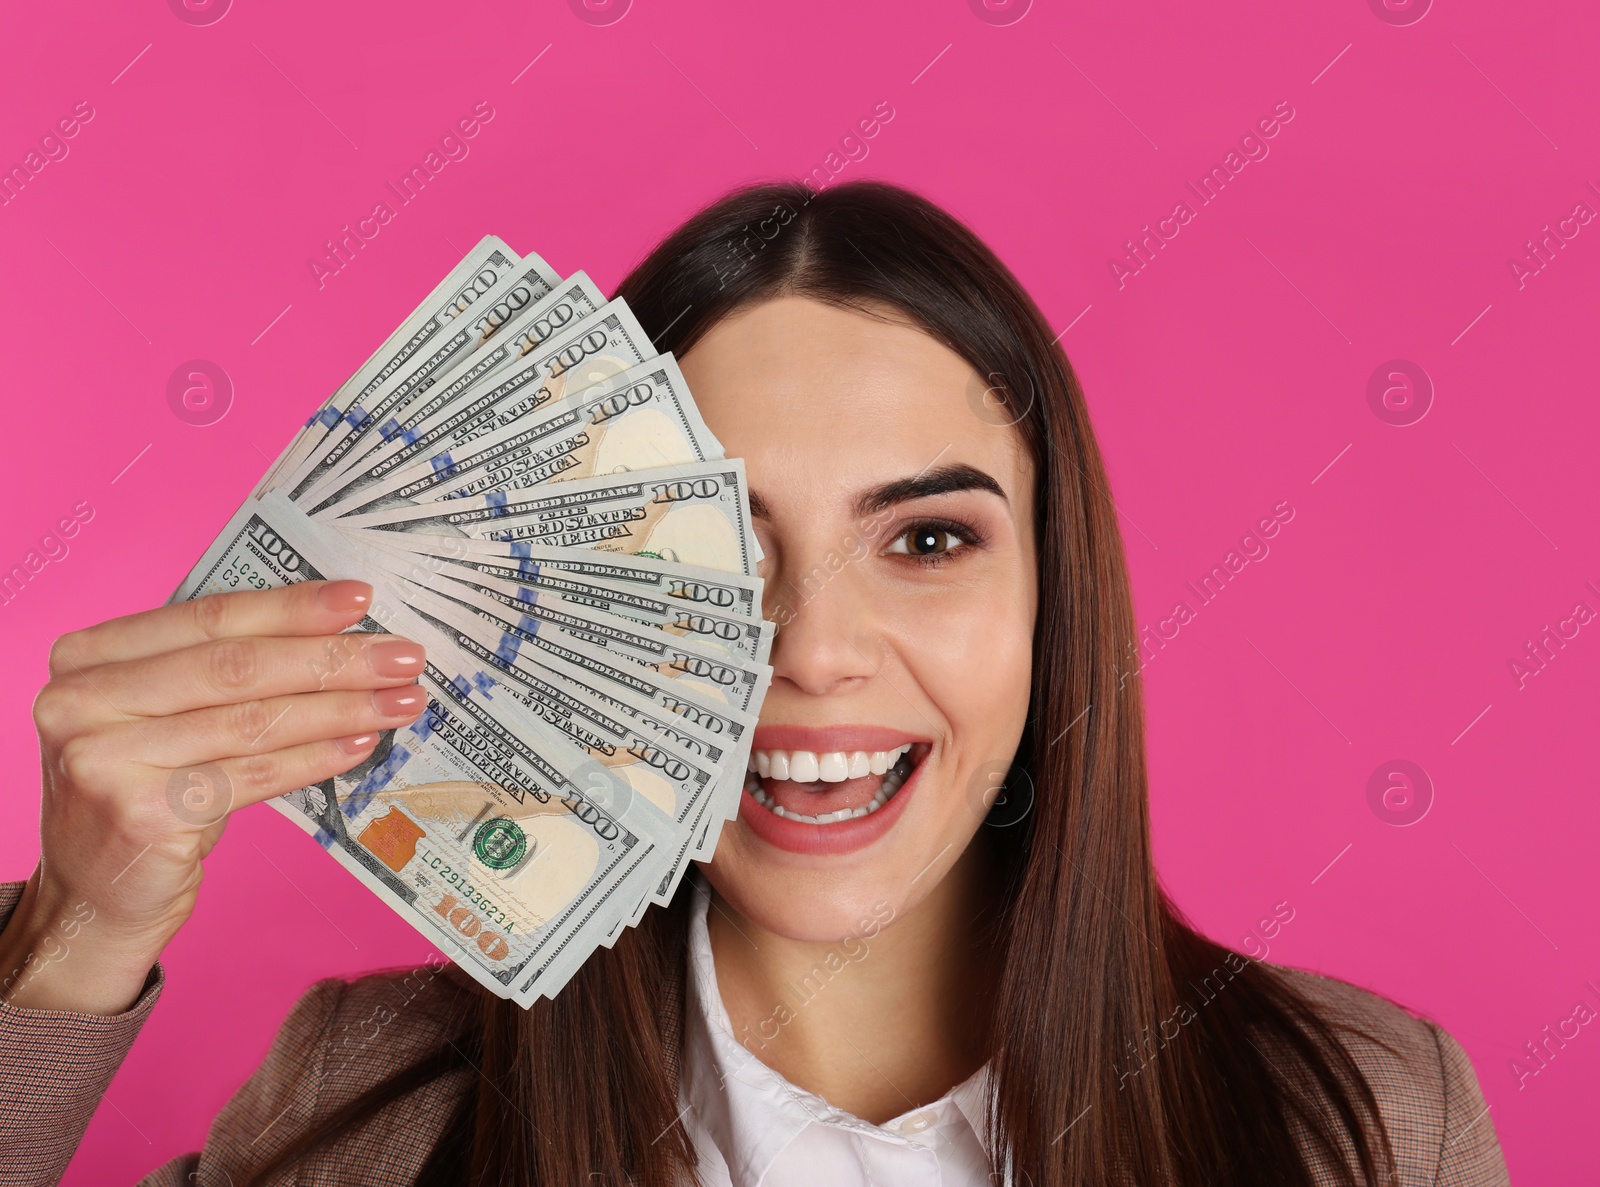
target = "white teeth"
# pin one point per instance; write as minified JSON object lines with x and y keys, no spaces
{"x":893,"y":780}
{"x":833,"y":767}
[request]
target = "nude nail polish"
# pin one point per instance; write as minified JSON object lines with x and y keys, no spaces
{"x":398,"y":702}
{"x":395,"y":657}
{"x":345,"y":597}
{"x":356,"y":743}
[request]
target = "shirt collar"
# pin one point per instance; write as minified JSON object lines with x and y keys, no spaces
{"x":969,"y":1097}
{"x":750,"y":1112}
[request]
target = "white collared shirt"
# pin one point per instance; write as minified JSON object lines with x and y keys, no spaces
{"x":753,"y":1128}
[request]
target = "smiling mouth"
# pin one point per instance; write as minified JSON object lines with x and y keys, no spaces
{"x":828,"y":787}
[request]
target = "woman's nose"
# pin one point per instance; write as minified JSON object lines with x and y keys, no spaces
{"x":827,"y":634}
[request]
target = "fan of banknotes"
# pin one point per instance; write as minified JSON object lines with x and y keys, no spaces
{"x":536,"y":500}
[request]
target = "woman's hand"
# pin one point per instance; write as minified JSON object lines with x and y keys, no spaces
{"x":152,"y":729}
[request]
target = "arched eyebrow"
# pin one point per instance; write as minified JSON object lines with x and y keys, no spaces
{"x":941,"y":480}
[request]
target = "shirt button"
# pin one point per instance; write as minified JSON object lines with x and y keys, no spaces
{"x":917,"y":1122}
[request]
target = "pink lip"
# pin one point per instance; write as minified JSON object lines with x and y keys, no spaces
{"x":842,"y":836}
{"x":822,"y":739}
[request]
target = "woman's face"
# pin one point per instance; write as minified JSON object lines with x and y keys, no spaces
{"x":897,"y":524}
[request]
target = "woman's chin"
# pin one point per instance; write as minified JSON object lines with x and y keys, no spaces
{"x":817,"y":914}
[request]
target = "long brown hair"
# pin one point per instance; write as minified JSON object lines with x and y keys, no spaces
{"x":1089,"y":1084}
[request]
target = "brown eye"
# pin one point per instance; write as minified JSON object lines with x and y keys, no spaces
{"x":925,"y":540}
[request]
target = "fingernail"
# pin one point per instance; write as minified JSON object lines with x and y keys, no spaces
{"x":345,"y":597}
{"x":356,"y":743}
{"x":398,"y":702}
{"x":395,"y":657}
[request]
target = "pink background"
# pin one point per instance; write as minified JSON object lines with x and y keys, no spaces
{"x":1227,"y":376}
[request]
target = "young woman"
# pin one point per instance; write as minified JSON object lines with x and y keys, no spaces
{"x":958,"y":987}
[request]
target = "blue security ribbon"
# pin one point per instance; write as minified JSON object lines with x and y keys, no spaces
{"x":427,"y":723}
{"x":522,"y":549}
{"x":377,"y":779}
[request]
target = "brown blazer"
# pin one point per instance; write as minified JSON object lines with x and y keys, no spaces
{"x":342,"y":1037}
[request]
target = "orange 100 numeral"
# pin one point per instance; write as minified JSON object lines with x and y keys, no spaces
{"x":491,"y":944}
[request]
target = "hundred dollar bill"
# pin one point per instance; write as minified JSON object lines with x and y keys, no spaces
{"x":725,"y":708}
{"x":528,"y":282}
{"x":663,"y":694}
{"x":731,"y":634}
{"x":491,"y":834}
{"x":633,"y":586}
{"x":659,"y":756}
{"x":693,"y":514}
{"x":488,"y":263}
{"x":537,"y":655}
{"x":707,"y":698}
{"x":703,"y":707}
{"x":605,"y":343}
{"x":584,"y":353}
{"x":698,"y":674}
{"x":401,"y":438}
{"x":639,"y":420}
{"x":720,"y":698}
{"x":537,"y":610}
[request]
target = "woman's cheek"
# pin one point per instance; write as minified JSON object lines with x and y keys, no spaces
{"x":972,"y":655}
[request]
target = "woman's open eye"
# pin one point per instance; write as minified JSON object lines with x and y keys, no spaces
{"x":932,"y":541}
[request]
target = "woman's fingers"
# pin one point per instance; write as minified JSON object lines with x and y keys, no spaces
{"x":249,"y":779}
{"x":310,"y":608}
{"x":260,"y":726}
{"x":233,"y":670}
{"x":155,"y":726}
